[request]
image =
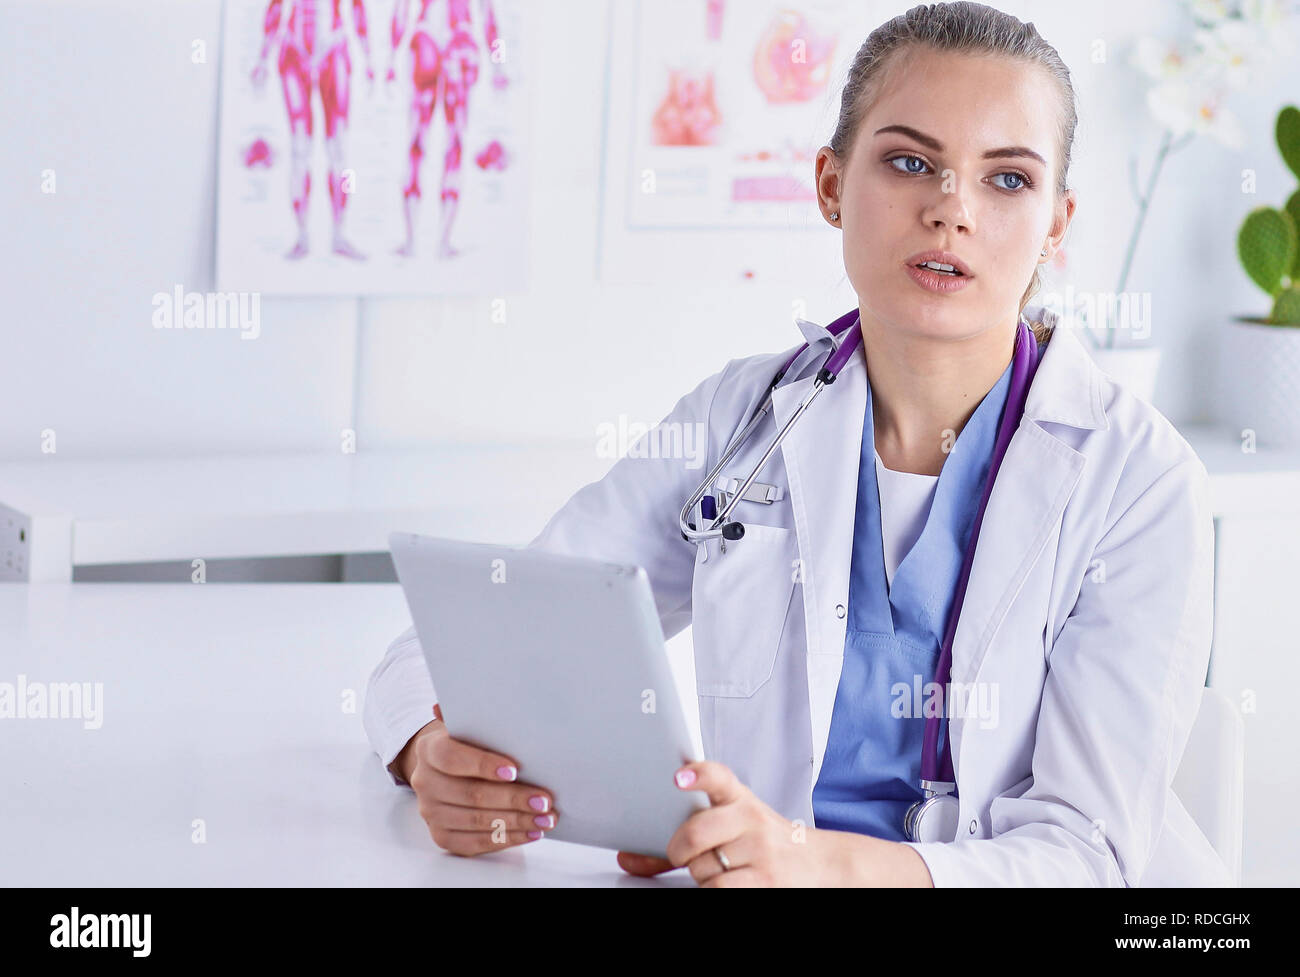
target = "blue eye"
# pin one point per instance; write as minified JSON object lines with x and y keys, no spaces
{"x":908,"y":169}
{"x":1022,"y":184}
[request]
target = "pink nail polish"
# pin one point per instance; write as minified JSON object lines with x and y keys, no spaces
{"x":685,"y":778}
{"x":544,"y":820}
{"x":534,"y":836}
{"x":507,"y":773}
{"x":539,"y":803}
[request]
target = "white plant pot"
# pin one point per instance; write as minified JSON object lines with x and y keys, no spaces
{"x":1261,"y":381}
{"x":1135,"y":368}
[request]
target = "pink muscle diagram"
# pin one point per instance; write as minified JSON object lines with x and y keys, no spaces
{"x":687,"y":115}
{"x":792,"y":60}
{"x":445,"y":63}
{"x":258,"y":154}
{"x":493,"y":157}
{"x":313,"y":60}
{"x":713,"y":18}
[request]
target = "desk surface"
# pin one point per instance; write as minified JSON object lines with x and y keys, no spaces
{"x":134,"y":511}
{"x":83,"y":513}
{"x":229,"y":705}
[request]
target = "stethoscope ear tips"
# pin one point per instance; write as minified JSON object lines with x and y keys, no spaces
{"x":733,"y":531}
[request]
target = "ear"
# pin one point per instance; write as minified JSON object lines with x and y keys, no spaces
{"x":1065,"y":208}
{"x":827,"y":179}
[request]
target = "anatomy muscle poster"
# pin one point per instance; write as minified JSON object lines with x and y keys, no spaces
{"x":373,"y":147}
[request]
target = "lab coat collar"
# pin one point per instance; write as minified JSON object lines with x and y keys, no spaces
{"x":1067,"y":386}
{"x":821,"y":456}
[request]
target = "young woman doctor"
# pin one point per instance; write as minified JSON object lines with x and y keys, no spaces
{"x":1084,"y":629}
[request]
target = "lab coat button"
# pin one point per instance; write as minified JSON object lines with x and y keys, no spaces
{"x":972,"y":826}
{"x":839,"y":610}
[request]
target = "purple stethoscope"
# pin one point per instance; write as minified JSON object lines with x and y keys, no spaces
{"x":934,"y":817}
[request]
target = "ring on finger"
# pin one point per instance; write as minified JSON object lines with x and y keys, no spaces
{"x":723,"y":860}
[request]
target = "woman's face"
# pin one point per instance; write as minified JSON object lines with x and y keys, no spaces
{"x":935,"y":187}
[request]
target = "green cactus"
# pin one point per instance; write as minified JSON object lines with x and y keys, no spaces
{"x":1293,"y":208}
{"x":1286,"y":310}
{"x":1268,"y":243}
{"x":1288,"y":137}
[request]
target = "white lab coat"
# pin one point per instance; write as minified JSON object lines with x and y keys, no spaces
{"x":1089,"y":610}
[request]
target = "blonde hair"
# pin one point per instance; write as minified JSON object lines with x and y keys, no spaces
{"x":965,"y":28}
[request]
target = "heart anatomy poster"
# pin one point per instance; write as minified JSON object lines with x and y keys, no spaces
{"x":373,"y":147}
{"x":717,"y":109}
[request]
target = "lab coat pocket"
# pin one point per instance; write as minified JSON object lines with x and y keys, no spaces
{"x":740,"y":599}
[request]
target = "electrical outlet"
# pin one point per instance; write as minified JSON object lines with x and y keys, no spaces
{"x":15,"y":545}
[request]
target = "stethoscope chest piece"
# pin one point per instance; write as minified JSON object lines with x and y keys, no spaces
{"x":932,"y":819}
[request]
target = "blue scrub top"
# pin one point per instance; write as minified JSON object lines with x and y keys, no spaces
{"x":872,"y":769}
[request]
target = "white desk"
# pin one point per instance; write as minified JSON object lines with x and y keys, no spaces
{"x":225,"y":704}
{"x":57,"y":514}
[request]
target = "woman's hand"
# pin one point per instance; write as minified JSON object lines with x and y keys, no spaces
{"x":761,"y":846}
{"x":469,"y":797}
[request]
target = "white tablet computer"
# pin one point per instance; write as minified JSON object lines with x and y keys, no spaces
{"x":559,"y":662}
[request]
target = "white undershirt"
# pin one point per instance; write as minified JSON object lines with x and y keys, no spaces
{"x":905,"y":499}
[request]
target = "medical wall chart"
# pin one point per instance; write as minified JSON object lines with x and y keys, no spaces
{"x":717,"y":110}
{"x":373,"y":147}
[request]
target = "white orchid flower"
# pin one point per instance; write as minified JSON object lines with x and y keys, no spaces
{"x":1159,"y":59}
{"x":1230,"y":52}
{"x":1190,"y":107}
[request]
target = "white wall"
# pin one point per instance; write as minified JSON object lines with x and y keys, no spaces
{"x":105,"y":94}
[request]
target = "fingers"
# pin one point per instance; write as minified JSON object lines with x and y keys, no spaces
{"x":707,"y":866}
{"x":720,"y":823}
{"x":434,"y":787}
{"x":455,"y":818}
{"x":460,"y":759}
{"x":471,"y":799}
{"x":644,"y":865}
{"x":715,"y":779}
{"x":704,"y":831}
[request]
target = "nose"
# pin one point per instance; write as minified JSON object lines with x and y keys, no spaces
{"x":949,"y":208}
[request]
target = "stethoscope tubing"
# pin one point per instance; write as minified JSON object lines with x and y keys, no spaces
{"x":847,"y":326}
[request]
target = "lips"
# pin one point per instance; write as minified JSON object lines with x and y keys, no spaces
{"x":938,"y":282}
{"x":942,"y":257}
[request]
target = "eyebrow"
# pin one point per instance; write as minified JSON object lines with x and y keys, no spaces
{"x":931,"y":143}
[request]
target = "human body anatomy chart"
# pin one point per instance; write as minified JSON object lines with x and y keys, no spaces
{"x":373,"y":147}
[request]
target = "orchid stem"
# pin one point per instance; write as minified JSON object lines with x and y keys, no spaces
{"x":1144,"y":203}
